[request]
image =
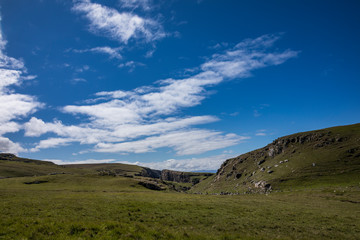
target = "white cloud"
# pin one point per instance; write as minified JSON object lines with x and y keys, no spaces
{"x":8,"y":77}
{"x":188,"y":165}
{"x":183,"y":142}
{"x":9,"y":127}
{"x":87,"y":135}
{"x":6,"y":145}
{"x":13,"y":106}
{"x":138,"y":105}
{"x":118,"y":26}
{"x":51,"y":143}
{"x":112,"y":52}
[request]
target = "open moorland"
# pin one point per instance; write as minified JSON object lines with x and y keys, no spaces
{"x":297,"y":200}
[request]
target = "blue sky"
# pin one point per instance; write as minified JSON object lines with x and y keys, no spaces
{"x":174,"y":84}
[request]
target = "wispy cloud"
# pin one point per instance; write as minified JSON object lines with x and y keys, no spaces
{"x":78,"y":80}
{"x":247,"y":56}
{"x":111,"y":52}
{"x":131,"y":65}
{"x":183,"y":142}
{"x":258,"y":111}
{"x":83,"y":68}
{"x":134,"y":4}
{"x":122,"y":132}
{"x":119,"y":26}
{"x":51,"y":143}
{"x":261,"y":132}
{"x":13,"y":106}
{"x":147,"y":118}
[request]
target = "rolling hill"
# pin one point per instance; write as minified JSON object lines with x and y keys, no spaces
{"x":312,"y":159}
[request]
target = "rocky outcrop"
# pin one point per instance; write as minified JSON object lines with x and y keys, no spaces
{"x":152,"y":185}
{"x":7,"y":156}
{"x":175,"y":176}
{"x":151,"y":173}
{"x":262,"y":187}
{"x":319,"y":139}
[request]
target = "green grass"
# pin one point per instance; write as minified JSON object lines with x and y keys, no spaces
{"x":19,"y":169}
{"x":105,"y":207}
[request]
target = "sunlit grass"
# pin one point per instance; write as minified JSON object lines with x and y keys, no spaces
{"x":85,"y":207}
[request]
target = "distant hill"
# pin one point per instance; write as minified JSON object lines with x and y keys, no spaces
{"x":13,"y":166}
{"x":312,"y":159}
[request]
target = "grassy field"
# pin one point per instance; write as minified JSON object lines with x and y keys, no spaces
{"x":315,"y":195}
{"x":71,"y":206}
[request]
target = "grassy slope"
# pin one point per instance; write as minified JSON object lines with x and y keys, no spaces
{"x":335,"y":152}
{"x":106,"y":207}
{"x":18,"y":167}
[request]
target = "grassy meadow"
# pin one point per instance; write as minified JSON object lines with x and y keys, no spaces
{"x":89,"y":206}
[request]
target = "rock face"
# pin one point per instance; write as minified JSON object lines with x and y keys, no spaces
{"x":151,"y":173}
{"x":175,"y":176}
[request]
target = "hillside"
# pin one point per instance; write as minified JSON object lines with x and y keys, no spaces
{"x":314,"y":159}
